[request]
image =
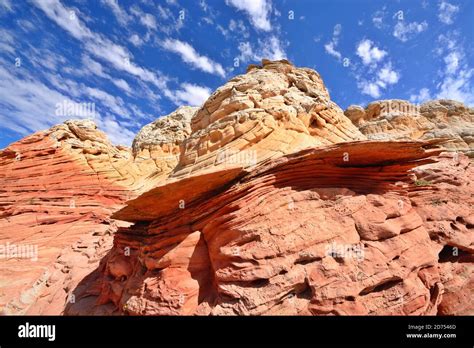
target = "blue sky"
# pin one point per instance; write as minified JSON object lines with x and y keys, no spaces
{"x":126,"y":63}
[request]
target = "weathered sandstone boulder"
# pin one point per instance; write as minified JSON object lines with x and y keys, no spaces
{"x":401,"y":120}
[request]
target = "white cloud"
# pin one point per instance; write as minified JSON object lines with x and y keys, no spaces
{"x":26,"y":25}
{"x":66,"y":18}
{"x":405,"y":31}
{"x":97,"y":45}
{"x":370,"y":88}
{"x":120,"y":59}
{"x":7,"y":41}
{"x":204,"y":5}
{"x":376,"y":73}
{"x":6,"y":4}
{"x":337,"y":30}
{"x":456,"y":77}
{"x":271,"y":48}
{"x":447,"y":12}
{"x":458,"y":87}
{"x":22,"y":97}
{"x":387,"y":76}
{"x":257,"y":10}
{"x":246,"y":52}
{"x":164,"y":12}
{"x":93,"y":67}
{"x":331,"y":50}
{"x":115,"y":104}
{"x":122,"y":84}
{"x":135,"y":40}
{"x":191,"y":56}
{"x":191,"y":94}
{"x":238,"y":27}
{"x":331,"y":46}
{"x":116,"y":132}
{"x":452,"y":62}
{"x":119,"y":13}
{"x":147,"y":19}
{"x":423,"y":96}
{"x":369,"y":53}
{"x":384,"y":77}
{"x":377,"y":19}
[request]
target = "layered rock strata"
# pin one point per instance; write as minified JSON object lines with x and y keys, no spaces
{"x":266,"y":200}
{"x":272,"y":110}
{"x":402,"y":120}
{"x":157,"y":145}
{"x":58,"y":190}
{"x":331,"y":230}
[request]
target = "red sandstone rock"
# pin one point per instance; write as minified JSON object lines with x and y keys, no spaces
{"x":58,"y":190}
{"x":308,"y":233}
{"x":312,"y":223}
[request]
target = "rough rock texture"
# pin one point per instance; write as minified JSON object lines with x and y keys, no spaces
{"x":58,"y":189}
{"x":277,"y":204}
{"x":444,"y":199}
{"x":274,"y":109}
{"x":331,"y":230}
{"x":401,"y":120}
{"x":158,"y":144}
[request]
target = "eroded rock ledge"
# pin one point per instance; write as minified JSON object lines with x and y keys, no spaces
{"x":343,"y":229}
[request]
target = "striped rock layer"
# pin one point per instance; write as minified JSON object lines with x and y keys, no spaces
{"x":402,"y":120}
{"x":58,"y":189}
{"x":346,"y":229}
{"x":268,"y":199}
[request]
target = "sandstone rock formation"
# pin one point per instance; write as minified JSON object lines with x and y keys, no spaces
{"x":58,"y":190}
{"x":331,"y":230}
{"x":274,"y":109}
{"x":158,"y":143}
{"x":444,"y":199}
{"x":401,"y":120}
{"x":267,"y":200}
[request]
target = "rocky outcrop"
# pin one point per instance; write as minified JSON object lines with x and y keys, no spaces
{"x":401,"y":120}
{"x":331,"y":230}
{"x":58,"y":190}
{"x":444,"y":199}
{"x":157,"y":145}
{"x":274,"y":109}
{"x":274,"y":208}
{"x":267,"y":200}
